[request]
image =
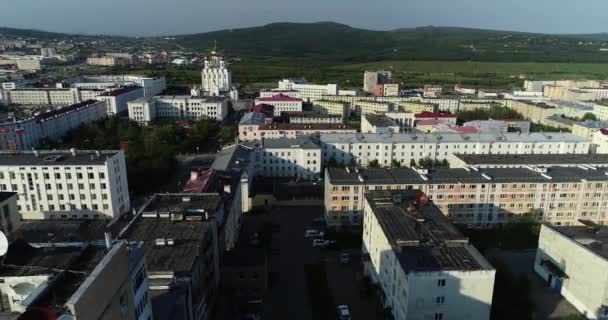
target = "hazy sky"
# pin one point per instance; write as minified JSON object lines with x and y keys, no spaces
{"x":154,"y":17}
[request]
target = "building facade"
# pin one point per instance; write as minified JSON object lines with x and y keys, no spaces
{"x":299,"y":157}
{"x":152,"y":86}
{"x":332,"y":107}
{"x":281,"y":103}
{"x":309,"y":91}
{"x":364,"y":107}
{"x":68,"y":184}
{"x":291,"y":130}
{"x":117,"y":99}
{"x":146,"y":110}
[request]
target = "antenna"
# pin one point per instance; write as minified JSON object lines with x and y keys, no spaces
{"x":3,"y":244}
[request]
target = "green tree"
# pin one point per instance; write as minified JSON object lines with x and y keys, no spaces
{"x":374,"y":164}
{"x":396,"y":164}
{"x":589,"y":116}
{"x":412,"y":163}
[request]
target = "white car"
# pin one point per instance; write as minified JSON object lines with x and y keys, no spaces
{"x":313,"y":233}
{"x":343,"y":312}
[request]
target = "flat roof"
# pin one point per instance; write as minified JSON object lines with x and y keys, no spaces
{"x":592,"y":236}
{"x":305,"y":126}
{"x":592,"y":124}
{"x":308,"y":114}
{"x":55,"y":157}
{"x":533,"y":159}
{"x":380,"y":120}
{"x":382,"y":176}
{"x":233,"y":157}
{"x":420,"y":235}
{"x":284,"y":143}
{"x":436,"y":137}
{"x":119,"y":91}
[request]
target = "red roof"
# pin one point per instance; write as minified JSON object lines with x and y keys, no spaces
{"x":434,"y":115}
{"x":428,"y":122}
{"x":199,"y":181}
{"x":466,"y":129}
{"x":279,"y":97}
{"x":604,"y":131}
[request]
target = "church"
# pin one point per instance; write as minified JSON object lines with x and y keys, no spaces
{"x":216,"y":78}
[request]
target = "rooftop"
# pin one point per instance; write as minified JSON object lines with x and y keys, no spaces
{"x":119,"y":91}
{"x":308,"y":114}
{"x":253,"y":118}
{"x":434,"y":115}
{"x":592,"y":236}
{"x":284,"y":143}
{"x":306,"y":126}
{"x":234,"y":157}
{"x":448,"y":137}
{"x":592,"y":124}
{"x":533,"y":159}
{"x":342,"y":176}
{"x":177,"y":217}
{"x":279,"y":97}
{"x":56,"y":157}
{"x":380,"y":120}
{"x":421,"y":236}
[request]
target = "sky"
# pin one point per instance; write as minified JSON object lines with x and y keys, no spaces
{"x":166,"y":17}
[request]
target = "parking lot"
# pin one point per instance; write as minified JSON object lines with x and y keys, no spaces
{"x":288,"y":296}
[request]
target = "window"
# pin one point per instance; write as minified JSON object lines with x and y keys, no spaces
{"x":440,"y":299}
{"x":441,"y":283}
{"x":438,"y":316}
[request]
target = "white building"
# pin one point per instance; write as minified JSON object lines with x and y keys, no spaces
{"x":152,"y":86}
{"x":273,"y":92}
{"x":117,"y":99}
{"x":373,"y":78}
{"x":281,"y":103}
{"x":146,"y":110}
{"x":216,"y":78}
{"x":282,"y":157}
{"x":52,"y":96}
{"x":250,"y":131}
{"x":67,"y":184}
{"x":309,"y":91}
{"x":364,"y":107}
{"x":25,"y":133}
{"x":573,"y":261}
{"x":405,"y":120}
{"x":378,"y":123}
{"x":424,"y":266}
{"x":403,"y":148}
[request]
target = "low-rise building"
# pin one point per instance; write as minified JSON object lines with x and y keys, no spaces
{"x":332,"y":107}
{"x":478,"y":197}
{"x":405,"y":120}
{"x":152,"y":86}
{"x":282,"y":157}
{"x":572,"y":261}
{"x":281,"y":103}
{"x":295,"y":130}
{"x":51,"y":96}
{"x":600,"y":110}
{"x":269,"y":93}
{"x":535,"y":112}
{"x":362,"y":148}
{"x":378,"y":123}
{"x":117,"y":99}
{"x":417,"y":107}
{"x":364,"y":107}
{"x":424,"y":266}
{"x":310,"y":117}
{"x":558,"y":122}
{"x":249,"y":124}
{"x":23,"y":132}
{"x":80,"y":281}
{"x":587,"y":129}
{"x":146,"y":110}
{"x":309,"y":91}
{"x":441,"y":116}
{"x":67,"y":184}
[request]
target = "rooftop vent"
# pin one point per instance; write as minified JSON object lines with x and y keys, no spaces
{"x":486,"y":176}
{"x":53,"y":158}
{"x":160,"y":242}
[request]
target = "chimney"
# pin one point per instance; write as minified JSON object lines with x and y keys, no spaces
{"x":108,"y":237}
{"x":73,"y":151}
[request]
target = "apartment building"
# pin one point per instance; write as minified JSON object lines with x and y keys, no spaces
{"x":472,"y":105}
{"x":291,"y":130}
{"x":281,"y":103}
{"x":309,"y":91}
{"x":418,"y":107}
{"x":25,"y":132}
{"x":445,"y":103}
{"x":51,"y":97}
{"x":405,"y":120}
{"x":527,"y":160}
{"x":364,"y":107}
{"x":424,"y":266}
{"x":478,"y":197}
{"x":80,"y":281}
{"x":249,"y":124}
{"x":117,"y":99}
{"x":269,"y":93}
{"x":146,"y":110}
{"x":572,"y":261}
{"x":361,"y":148}
{"x":282,"y":157}
{"x":378,"y":123}
{"x":332,"y":107}
{"x":152,"y":86}
{"x":180,"y":235}
{"x":310,"y":117}
{"x":533,"y":111}
{"x":538,"y":85}
{"x":67,"y":184}
{"x":373,"y":78}
{"x":600,"y":109}
{"x":587,"y":129}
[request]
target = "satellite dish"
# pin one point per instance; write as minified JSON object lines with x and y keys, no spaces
{"x":3,"y":244}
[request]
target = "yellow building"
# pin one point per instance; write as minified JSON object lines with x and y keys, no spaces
{"x":532,"y":111}
{"x":417,"y":107}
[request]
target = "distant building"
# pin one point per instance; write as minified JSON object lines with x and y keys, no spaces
{"x":147,"y":110}
{"x":117,"y":99}
{"x":23,"y":132}
{"x":373,"y":78}
{"x":309,"y":91}
{"x":216,"y":78}
{"x":152,"y":86}
{"x":445,"y":117}
{"x":297,"y":157}
{"x":51,"y":96}
{"x":67,"y":184}
{"x":418,"y":107}
{"x":293,"y":130}
{"x":430,"y":91}
{"x":572,"y":261}
{"x":281,"y":103}
{"x":425,"y":268}
{"x":480,"y":161}
{"x":80,"y":281}
{"x":587,"y":129}
{"x":364,"y":107}
{"x":273,"y":92}
{"x":378,"y":123}
{"x":310,"y":117}
{"x":332,"y":107}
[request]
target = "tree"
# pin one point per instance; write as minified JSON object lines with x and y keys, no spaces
{"x":396,"y":164}
{"x":412,"y":163}
{"x":374,"y":164}
{"x":589,"y":117}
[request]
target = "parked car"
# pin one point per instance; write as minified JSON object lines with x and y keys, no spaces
{"x":322,"y":243}
{"x":344,"y":257}
{"x":343,"y":312}
{"x":313,"y":233}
